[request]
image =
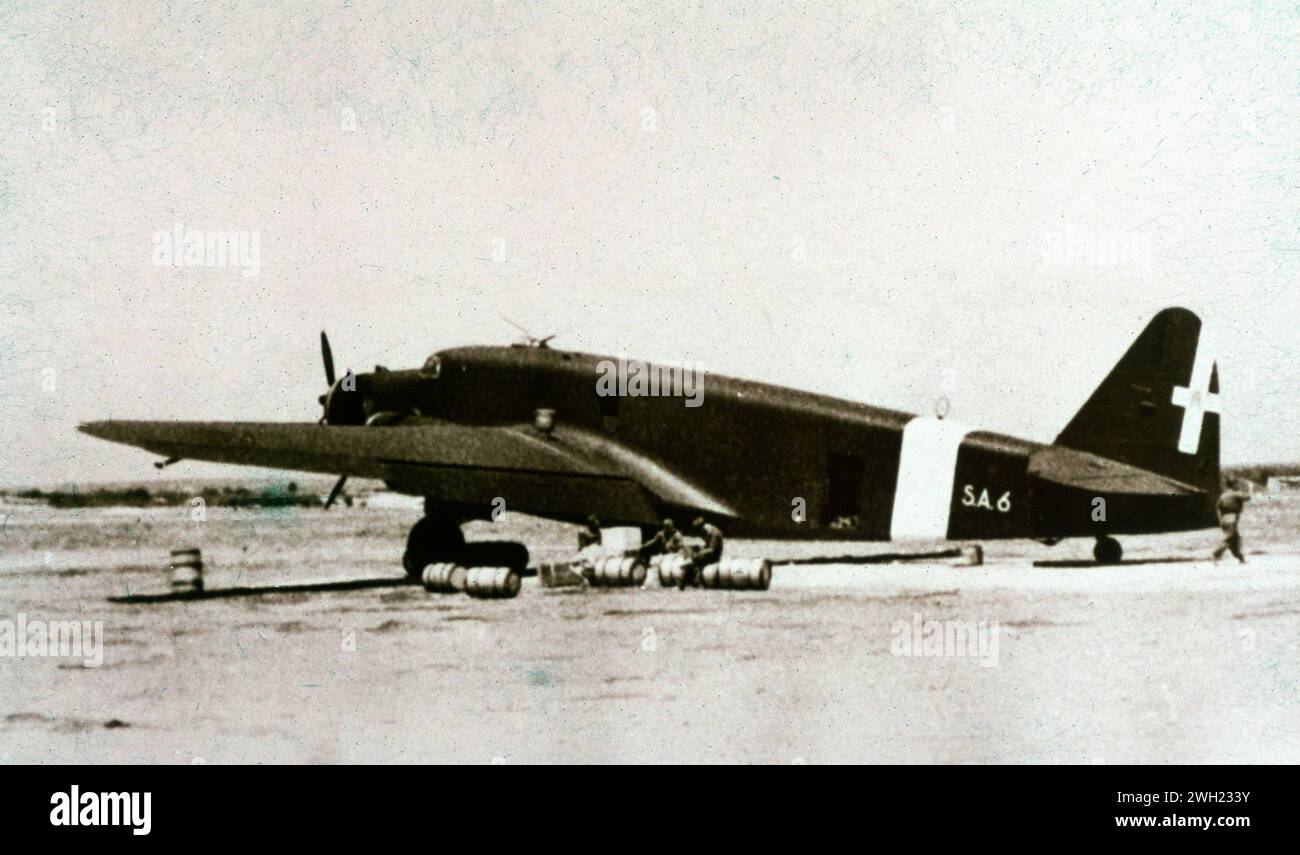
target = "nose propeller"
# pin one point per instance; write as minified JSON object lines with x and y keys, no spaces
{"x":327,"y":356}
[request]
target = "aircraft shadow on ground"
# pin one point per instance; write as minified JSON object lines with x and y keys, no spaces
{"x":251,"y":591}
{"x":1087,"y":562}
{"x":878,"y":558}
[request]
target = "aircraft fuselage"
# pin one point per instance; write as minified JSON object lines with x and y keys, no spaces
{"x":792,"y":464}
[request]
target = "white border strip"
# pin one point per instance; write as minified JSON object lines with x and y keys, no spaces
{"x":927,"y":471}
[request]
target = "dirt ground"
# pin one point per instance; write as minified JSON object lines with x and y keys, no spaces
{"x":1183,"y":662}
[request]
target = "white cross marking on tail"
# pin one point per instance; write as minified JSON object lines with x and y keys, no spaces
{"x":1196,"y":399}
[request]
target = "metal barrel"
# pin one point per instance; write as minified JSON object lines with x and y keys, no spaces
{"x":617,"y":571}
{"x":670,"y":569}
{"x":738,"y":574}
{"x":492,"y":583}
{"x":444,"y":578}
{"x":186,"y":567}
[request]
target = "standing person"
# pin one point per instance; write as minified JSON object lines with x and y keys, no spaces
{"x":709,"y":553}
{"x":1230,"y":506}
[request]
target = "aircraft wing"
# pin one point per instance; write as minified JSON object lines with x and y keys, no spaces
{"x":564,"y":474}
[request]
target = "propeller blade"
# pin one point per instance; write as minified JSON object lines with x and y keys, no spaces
{"x":328,"y":356}
{"x":338,"y":488}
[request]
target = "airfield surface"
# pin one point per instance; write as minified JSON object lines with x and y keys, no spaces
{"x":1183,"y":662}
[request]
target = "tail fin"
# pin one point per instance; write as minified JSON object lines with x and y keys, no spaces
{"x":1158,"y":409}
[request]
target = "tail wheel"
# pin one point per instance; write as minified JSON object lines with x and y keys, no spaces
{"x":1107,"y":550}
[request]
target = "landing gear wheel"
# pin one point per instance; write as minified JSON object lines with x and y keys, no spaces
{"x":1107,"y":550}
{"x":431,"y":539}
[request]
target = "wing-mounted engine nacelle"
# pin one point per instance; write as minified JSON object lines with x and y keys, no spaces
{"x":381,"y":397}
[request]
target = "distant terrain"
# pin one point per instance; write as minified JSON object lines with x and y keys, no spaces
{"x":1261,"y":472}
{"x":307,"y":491}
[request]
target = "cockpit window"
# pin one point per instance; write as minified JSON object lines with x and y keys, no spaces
{"x":432,"y":365}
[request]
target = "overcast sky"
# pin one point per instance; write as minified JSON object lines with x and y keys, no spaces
{"x":884,"y":202}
